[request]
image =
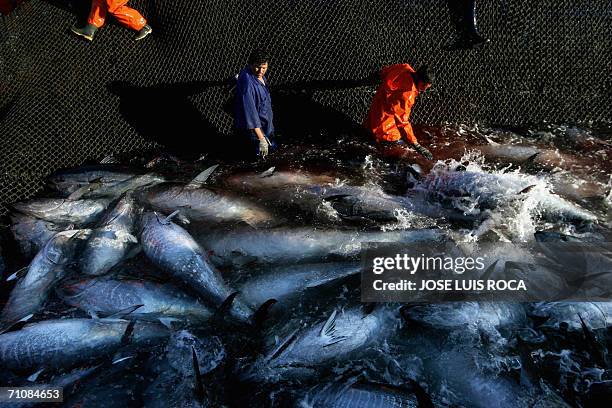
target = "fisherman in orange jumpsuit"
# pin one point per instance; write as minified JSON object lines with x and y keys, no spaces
{"x":388,"y":118}
{"x":125,"y":15}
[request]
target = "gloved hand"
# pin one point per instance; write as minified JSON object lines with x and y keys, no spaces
{"x":263,"y":147}
{"x":423,"y":151}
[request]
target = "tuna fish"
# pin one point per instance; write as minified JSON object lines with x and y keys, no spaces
{"x":68,"y":181}
{"x":295,"y":245}
{"x":114,"y":240}
{"x":49,"y":265}
{"x":71,"y":342}
{"x":284,"y":283}
{"x":474,"y":191}
{"x":166,"y":303}
{"x":117,"y":189}
{"x":597,"y":315}
{"x":453,"y":315}
{"x":172,"y":248}
{"x":205,"y":205}
{"x":32,"y":233}
{"x":309,"y":348}
{"x":80,"y":213}
{"x":276,"y":180}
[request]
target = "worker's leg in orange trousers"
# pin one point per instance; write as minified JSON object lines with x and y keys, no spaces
{"x":126,"y":16}
{"x":97,"y":13}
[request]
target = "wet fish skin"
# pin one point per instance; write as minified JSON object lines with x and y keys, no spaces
{"x":454,"y":315}
{"x":70,"y":342}
{"x":284,"y":283}
{"x":31,"y":234}
{"x":300,"y":245}
{"x":109,"y":296}
{"x":307,"y":349}
{"x":68,"y":181}
{"x":204,"y":205}
{"x":45,"y":270}
{"x":114,"y":240}
{"x":257,"y":183}
{"x":79,"y":213}
{"x":597,"y":315}
{"x":115,"y":190}
{"x":172,"y":248}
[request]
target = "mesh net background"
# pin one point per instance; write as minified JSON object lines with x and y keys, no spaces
{"x":548,"y":61}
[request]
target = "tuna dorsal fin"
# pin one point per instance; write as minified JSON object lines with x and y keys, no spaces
{"x":527,"y":189}
{"x":268,"y":172}
{"x":262,"y":312}
{"x":227,"y":304}
{"x":199,"y":386}
{"x":18,"y":274}
{"x":35,"y":376}
{"x":201,"y":178}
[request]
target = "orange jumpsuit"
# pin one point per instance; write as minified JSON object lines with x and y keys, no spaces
{"x":392,"y":103}
{"x":125,"y":15}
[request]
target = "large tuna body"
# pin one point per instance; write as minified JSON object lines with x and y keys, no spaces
{"x":174,"y":250}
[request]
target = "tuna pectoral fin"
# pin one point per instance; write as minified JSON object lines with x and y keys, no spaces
{"x":490,"y":141}
{"x":124,"y":312}
{"x":262,"y":312}
{"x":201,"y":178}
{"x":19,"y":274}
{"x":336,"y":197}
{"x":268,"y":172}
{"x":14,"y":326}
{"x":168,"y":219}
{"x":282,"y":346}
{"x":35,"y":376}
{"x":127,"y":334}
{"x":199,"y":386}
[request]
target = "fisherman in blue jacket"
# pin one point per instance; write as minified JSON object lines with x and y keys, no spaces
{"x":253,"y":105}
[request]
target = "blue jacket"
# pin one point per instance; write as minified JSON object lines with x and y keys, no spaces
{"x":253,"y":103}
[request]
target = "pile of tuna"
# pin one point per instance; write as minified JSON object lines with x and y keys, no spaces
{"x":243,"y":288}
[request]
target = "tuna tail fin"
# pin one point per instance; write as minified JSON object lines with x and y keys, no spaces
{"x":267,"y":173}
{"x":262,"y":312}
{"x":201,"y":178}
{"x":199,"y":386}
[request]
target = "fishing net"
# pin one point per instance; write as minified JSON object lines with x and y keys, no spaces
{"x":64,"y":101}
